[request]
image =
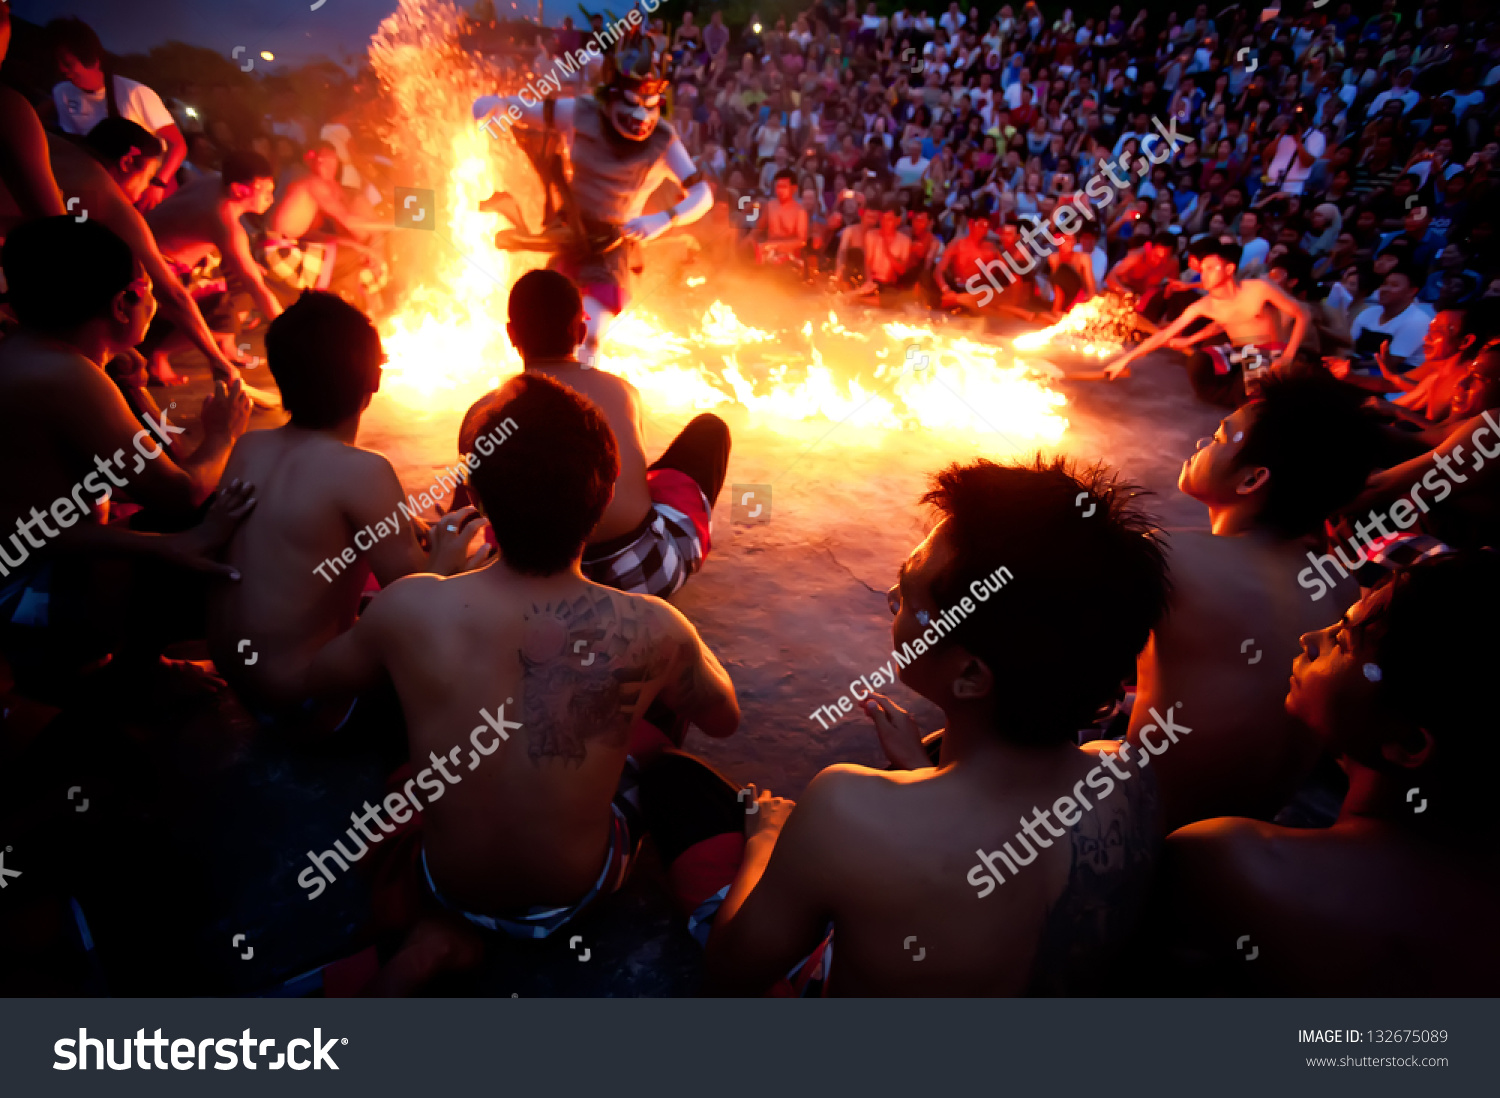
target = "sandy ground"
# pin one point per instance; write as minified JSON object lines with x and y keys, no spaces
{"x":795,"y":607}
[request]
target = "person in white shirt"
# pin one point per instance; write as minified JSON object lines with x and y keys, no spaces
{"x":1398,"y":318}
{"x":952,"y":20}
{"x":912,"y":167}
{"x":1296,"y":151}
{"x":84,"y":98}
{"x":1401,"y":90}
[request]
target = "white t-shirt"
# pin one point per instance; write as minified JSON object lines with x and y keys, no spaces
{"x":1285,"y":160}
{"x":79,"y":111}
{"x":1406,"y":330}
{"x":909,"y":172}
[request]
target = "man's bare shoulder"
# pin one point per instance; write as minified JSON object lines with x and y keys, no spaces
{"x":849,"y":801}
{"x":1234,"y":855}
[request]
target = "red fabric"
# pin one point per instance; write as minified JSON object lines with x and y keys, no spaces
{"x":704,"y":868}
{"x":349,"y":976}
{"x":676,"y":489}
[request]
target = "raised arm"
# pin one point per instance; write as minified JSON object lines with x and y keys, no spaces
{"x":1289,"y":307}
{"x":497,"y":113}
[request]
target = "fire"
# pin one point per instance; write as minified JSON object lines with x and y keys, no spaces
{"x":685,"y":348}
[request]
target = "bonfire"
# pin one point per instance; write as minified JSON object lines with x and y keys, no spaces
{"x":690,"y":340}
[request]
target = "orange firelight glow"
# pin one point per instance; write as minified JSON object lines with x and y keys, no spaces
{"x":785,"y":359}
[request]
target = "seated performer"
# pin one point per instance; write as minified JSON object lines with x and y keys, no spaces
{"x":962,"y":262}
{"x":1263,"y":323}
{"x":654,"y":531}
{"x":621,"y":150}
{"x":1270,"y":475}
{"x":1018,"y":639}
{"x":782,"y":233}
{"x":199,"y":233}
{"x":69,"y":443}
{"x":313,"y":240}
{"x":526,"y":679}
{"x":1399,"y":897}
{"x":331,"y":514}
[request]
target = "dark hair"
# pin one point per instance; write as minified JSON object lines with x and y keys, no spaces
{"x":76,"y":37}
{"x":546,"y":486}
{"x":325,"y":356}
{"x":114,"y":138}
{"x":1443,"y":688}
{"x":1318,"y":443}
{"x":1085,"y":594}
{"x":1298,"y":266}
{"x":1229,"y":253}
{"x":63,"y":273}
{"x":244,"y":166}
{"x":543,"y":306}
{"x":1163,"y":239}
{"x":785,"y":173}
{"x":1408,"y":271}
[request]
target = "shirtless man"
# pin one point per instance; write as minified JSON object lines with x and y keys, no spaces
{"x":654,"y":532}
{"x":1256,"y":314}
{"x":1047,"y":627}
{"x":1396,"y":898}
{"x":330,"y":515}
{"x":198,"y":230}
{"x":1270,"y":475}
{"x":314,"y":238}
{"x":82,"y":299}
{"x":550,"y":760}
{"x":783,"y":231}
{"x":961,"y":264}
{"x":888,"y":258}
{"x":43,"y":171}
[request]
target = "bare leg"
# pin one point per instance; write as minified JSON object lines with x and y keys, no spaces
{"x":598,"y":317}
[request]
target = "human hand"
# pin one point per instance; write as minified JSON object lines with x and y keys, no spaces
{"x":194,"y":549}
{"x":900,"y":738}
{"x":769,"y":815}
{"x":450,"y":538}
{"x":226,"y":411}
{"x":150,"y":198}
{"x":1338,"y":367}
{"x":646,"y":228}
{"x":1383,"y":358}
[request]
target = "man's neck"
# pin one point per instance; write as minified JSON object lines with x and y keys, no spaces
{"x":1388,"y":315}
{"x":546,"y":362}
{"x":969,"y":737}
{"x":1236,"y":520}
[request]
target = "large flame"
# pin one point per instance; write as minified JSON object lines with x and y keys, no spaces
{"x":683,"y":346}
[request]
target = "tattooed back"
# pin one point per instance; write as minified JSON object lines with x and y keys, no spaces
{"x":576,"y":664}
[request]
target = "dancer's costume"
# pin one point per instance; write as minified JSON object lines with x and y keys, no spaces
{"x":600,"y":158}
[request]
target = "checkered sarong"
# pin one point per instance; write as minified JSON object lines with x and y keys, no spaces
{"x":657,"y":562}
{"x":313,"y":265}
{"x":1386,"y":555}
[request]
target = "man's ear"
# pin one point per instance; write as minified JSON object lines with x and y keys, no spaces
{"x":510,"y":331}
{"x":119,"y":308}
{"x":1414,"y":749}
{"x":974,"y":680}
{"x":1253,"y":480}
{"x":579,"y":330}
